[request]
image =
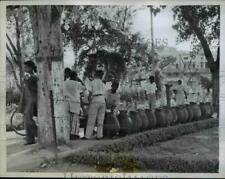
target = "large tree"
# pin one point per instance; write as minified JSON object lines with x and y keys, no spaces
{"x":104,"y":29}
{"x":201,"y":25}
{"x":49,"y":58}
{"x":18,"y":27}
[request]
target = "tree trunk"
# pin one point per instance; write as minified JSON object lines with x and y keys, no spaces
{"x":215,"y":91}
{"x":49,"y":58}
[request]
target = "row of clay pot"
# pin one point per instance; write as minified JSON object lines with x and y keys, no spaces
{"x":141,"y":120}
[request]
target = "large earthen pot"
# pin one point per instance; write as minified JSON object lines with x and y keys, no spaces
{"x":203,"y":108}
{"x":196,"y":111}
{"x":190,"y":113}
{"x":111,"y":125}
{"x":125,"y":123}
{"x":161,"y":118}
{"x":185,"y":114}
{"x":144,"y":119}
{"x":151,"y":118}
{"x":173,"y":110}
{"x":169,"y":115}
{"x":209,"y":109}
{"x":180,"y":114}
{"x":136,"y":121}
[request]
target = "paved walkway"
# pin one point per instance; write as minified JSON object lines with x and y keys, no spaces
{"x":25,"y":158}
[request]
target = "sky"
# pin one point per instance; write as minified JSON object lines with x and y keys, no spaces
{"x":162,"y":29}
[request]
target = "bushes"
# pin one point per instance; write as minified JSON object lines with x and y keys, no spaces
{"x":129,"y":162}
{"x":119,"y":153}
{"x":152,"y":136}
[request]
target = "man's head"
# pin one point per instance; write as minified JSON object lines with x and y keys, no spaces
{"x":30,"y":67}
{"x":152,"y":79}
{"x":179,"y":82}
{"x":114,"y":86}
{"x":99,"y":74}
{"x":73,"y":75}
{"x":67,"y":73}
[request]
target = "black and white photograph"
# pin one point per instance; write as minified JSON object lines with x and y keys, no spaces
{"x":112,"y":89}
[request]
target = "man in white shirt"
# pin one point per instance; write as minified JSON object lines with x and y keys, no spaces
{"x":72,"y":90}
{"x":181,"y":93}
{"x":150,"y":91}
{"x":97,"y":106}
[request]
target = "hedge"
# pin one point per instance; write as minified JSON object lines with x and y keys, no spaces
{"x":118,"y":153}
{"x":152,"y":136}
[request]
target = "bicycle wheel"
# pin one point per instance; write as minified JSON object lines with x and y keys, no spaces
{"x":17,"y":124}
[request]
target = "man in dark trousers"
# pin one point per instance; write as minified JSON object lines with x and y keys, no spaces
{"x":28,"y":102}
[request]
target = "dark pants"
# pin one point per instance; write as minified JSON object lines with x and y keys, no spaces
{"x":30,"y":125}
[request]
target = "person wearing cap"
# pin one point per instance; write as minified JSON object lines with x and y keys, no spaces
{"x":72,"y":89}
{"x":150,"y":91}
{"x":28,"y":101}
{"x":97,"y":106}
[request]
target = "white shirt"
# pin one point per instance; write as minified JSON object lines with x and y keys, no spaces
{"x":72,"y":90}
{"x":150,"y":87}
{"x":97,"y":87}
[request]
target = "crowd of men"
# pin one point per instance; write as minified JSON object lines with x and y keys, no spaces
{"x":90,"y":97}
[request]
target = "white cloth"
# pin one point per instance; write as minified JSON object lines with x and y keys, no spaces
{"x":150,"y":87}
{"x":97,"y":87}
{"x":72,"y":90}
{"x":180,"y":97}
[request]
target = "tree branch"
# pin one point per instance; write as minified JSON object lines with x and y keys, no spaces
{"x":14,"y":72}
{"x":187,"y":14}
{"x":18,"y":38}
{"x":12,"y":45}
{"x":11,"y":53}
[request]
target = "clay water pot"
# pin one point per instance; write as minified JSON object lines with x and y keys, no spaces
{"x":209,"y":109}
{"x":151,"y":118}
{"x":111,"y":125}
{"x":144,"y":119}
{"x":180,"y":114}
{"x":161,"y":118}
{"x":190,"y":113}
{"x":173,"y":110}
{"x":203,"y":108}
{"x":125,"y":123}
{"x":136,"y":121}
{"x":196,"y":111}
{"x":185,"y":114}
{"x":169,"y":115}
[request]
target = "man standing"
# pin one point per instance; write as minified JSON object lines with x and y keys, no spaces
{"x":28,"y":102}
{"x":181,"y":93}
{"x":72,"y":91}
{"x":97,"y":106}
{"x":150,"y":92}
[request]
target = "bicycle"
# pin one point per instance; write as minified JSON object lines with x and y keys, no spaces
{"x":13,"y":118}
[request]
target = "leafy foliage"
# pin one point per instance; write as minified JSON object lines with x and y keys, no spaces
{"x":105,"y":29}
{"x":207,"y":18}
{"x":206,"y":82}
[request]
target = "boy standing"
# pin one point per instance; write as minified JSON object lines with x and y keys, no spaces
{"x":113,"y":98}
